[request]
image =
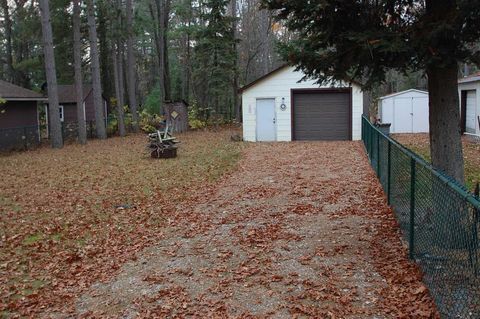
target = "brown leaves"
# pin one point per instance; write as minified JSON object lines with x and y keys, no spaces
{"x":73,"y":216}
{"x":307,"y":234}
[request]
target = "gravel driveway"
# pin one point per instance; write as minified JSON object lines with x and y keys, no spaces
{"x":298,"y":230}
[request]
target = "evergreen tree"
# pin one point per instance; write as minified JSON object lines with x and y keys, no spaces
{"x":357,"y":40}
{"x":214,"y":57}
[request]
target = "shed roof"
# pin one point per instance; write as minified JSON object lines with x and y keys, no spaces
{"x":403,"y":92}
{"x":471,"y":78}
{"x":12,"y":92}
{"x":67,"y":94}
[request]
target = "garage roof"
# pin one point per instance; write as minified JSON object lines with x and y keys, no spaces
{"x":264,"y":77}
{"x":247,"y":86}
{"x":471,"y":78}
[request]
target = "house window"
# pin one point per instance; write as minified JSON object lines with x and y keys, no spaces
{"x":60,"y":111}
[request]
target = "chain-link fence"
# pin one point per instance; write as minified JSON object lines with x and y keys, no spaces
{"x":19,"y":138}
{"x":440,"y":221}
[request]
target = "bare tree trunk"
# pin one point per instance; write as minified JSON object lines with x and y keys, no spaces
{"x":236,"y":104}
{"x":445,"y":132}
{"x":77,"y":57}
{"x":121,"y":76}
{"x":159,"y":5}
{"x":166,"y":68}
{"x":132,"y":100}
{"x":8,"y":38}
{"x":55,"y":127}
{"x":106,"y":72}
{"x":161,"y":40}
{"x":96,"y":83}
{"x":118,"y":92}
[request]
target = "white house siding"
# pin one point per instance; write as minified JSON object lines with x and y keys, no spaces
{"x":471,"y":86}
{"x":278,"y":86}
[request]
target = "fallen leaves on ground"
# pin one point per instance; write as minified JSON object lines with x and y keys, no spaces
{"x":304,"y":234}
{"x":420,"y":144}
{"x":73,"y":216}
{"x":298,"y":230}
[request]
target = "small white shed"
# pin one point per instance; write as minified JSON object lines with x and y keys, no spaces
{"x":406,"y":111}
{"x":469,"y":92}
{"x":278,"y":107}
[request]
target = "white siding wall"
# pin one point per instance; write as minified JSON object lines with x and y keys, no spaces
{"x":467,"y":87}
{"x":278,"y":86}
{"x":397,"y":108}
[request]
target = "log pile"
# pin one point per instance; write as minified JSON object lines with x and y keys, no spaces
{"x":162,"y":144}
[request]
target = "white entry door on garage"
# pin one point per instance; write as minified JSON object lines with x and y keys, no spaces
{"x":471,"y":112}
{"x":266,"y":130}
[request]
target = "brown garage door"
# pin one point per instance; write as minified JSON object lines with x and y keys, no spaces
{"x":322,"y":114}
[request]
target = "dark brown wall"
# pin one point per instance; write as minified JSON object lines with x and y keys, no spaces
{"x":70,"y":110}
{"x":89,"y":108}
{"x":18,"y":114}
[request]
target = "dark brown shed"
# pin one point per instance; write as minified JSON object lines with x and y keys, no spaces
{"x":19,"y":124}
{"x":67,"y":99}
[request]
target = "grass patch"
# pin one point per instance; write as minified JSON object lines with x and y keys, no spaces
{"x":32,"y":239}
{"x":420,"y":144}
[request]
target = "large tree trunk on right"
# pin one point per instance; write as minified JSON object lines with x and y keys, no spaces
{"x":96,"y":82}
{"x":77,"y":61}
{"x":55,"y":127}
{"x":132,"y":100}
{"x":445,"y":132}
{"x":444,"y":109}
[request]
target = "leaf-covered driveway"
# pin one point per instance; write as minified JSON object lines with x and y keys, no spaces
{"x":300,"y":229}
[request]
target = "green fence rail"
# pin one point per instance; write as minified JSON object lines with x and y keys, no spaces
{"x":439,"y":219}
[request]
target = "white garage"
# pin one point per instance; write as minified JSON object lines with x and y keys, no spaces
{"x":406,"y":111}
{"x":278,"y":107}
{"x":469,"y":91}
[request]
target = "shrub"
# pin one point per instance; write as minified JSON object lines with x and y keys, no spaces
{"x":152,"y":102}
{"x":149,"y":123}
{"x":198,"y":117}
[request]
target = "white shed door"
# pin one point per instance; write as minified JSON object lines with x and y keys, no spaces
{"x":471,"y":113}
{"x":420,"y":114}
{"x":266,"y":120}
{"x":403,"y":115}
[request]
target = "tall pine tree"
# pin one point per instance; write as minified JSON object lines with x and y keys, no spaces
{"x":214,"y":57}
{"x":362,"y":40}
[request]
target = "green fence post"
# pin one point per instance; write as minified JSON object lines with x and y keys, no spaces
{"x":370,"y":141}
{"x":363,"y":131}
{"x":389,"y":166}
{"x":412,"y":209}
{"x":378,"y":154}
